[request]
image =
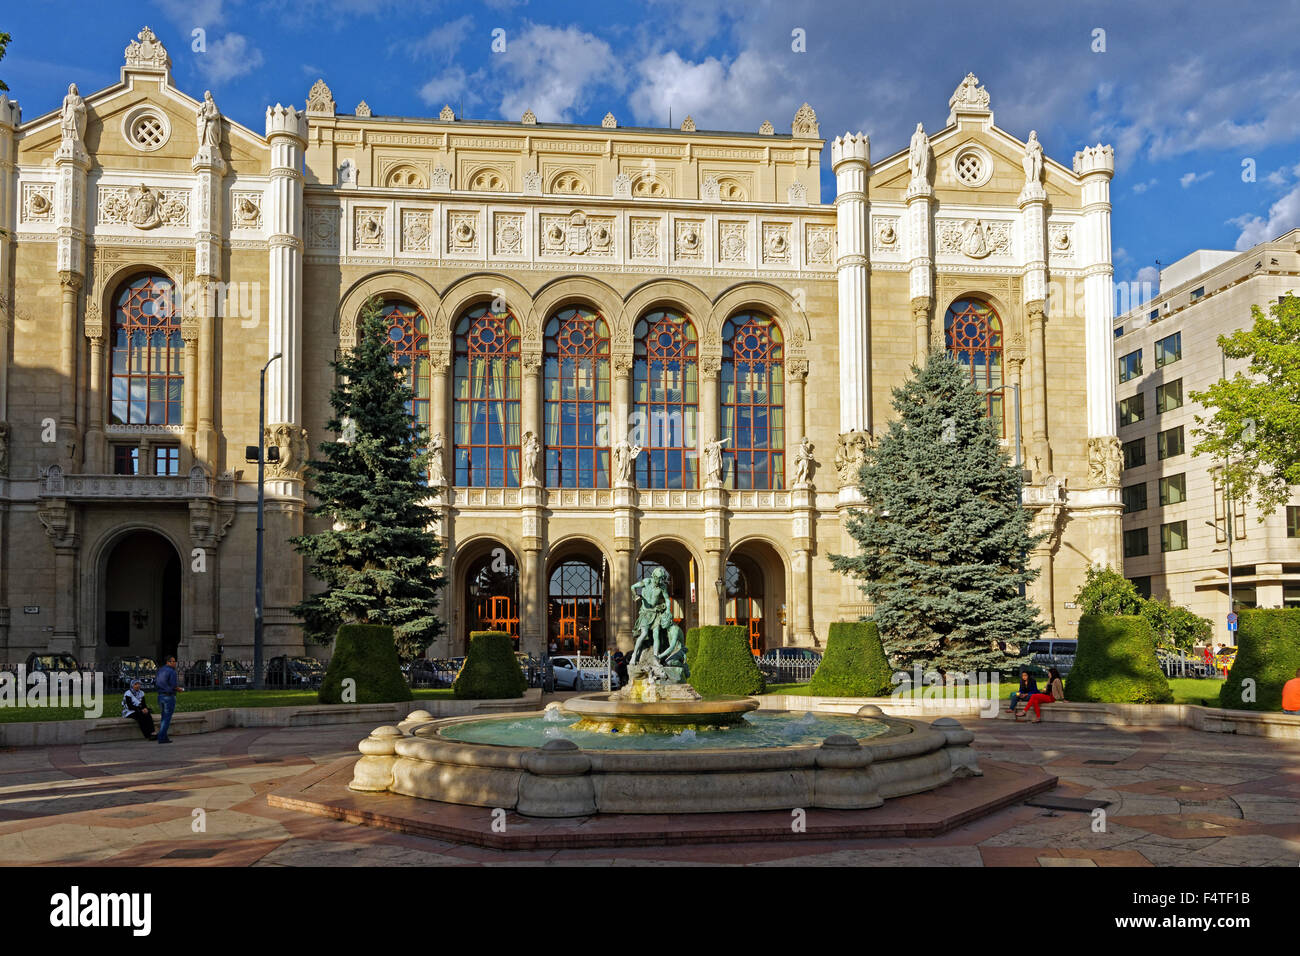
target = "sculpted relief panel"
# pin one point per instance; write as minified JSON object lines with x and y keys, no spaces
{"x":143,"y":207}
{"x":973,"y":238}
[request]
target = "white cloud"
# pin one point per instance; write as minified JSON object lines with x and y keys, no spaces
{"x":1283,"y":175}
{"x":193,"y":13}
{"x":1187,"y":180}
{"x":1149,"y":274}
{"x":449,"y":87}
{"x":1143,"y":187}
{"x":551,"y":71}
{"x":444,"y":40}
{"x":1283,"y":216}
{"x":716,"y":93}
{"x":227,"y":58}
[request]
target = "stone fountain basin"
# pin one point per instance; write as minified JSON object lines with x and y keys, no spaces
{"x":601,"y":712}
{"x":561,"y":780}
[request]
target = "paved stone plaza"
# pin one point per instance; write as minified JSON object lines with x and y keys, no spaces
{"x":1177,"y":798}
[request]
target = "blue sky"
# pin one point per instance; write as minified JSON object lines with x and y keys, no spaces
{"x":1186,"y":92}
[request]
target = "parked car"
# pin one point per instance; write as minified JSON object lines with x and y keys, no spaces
{"x":569,"y":676}
{"x":58,"y":663}
{"x":430,"y":673}
{"x":124,"y":670}
{"x":294,"y":672}
{"x":788,"y":665}
{"x":534,"y":670}
{"x":1058,"y":653}
{"x":204,"y":674}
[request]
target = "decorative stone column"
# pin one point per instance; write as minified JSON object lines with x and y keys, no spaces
{"x":61,"y":522}
{"x":11,"y":117}
{"x":1033,"y":231}
{"x":209,"y":519}
{"x":286,"y":130}
{"x":95,"y":458}
{"x":1095,"y":167}
{"x":796,"y":376}
{"x":532,"y":577}
{"x":710,"y":366}
{"x":199,"y":329}
{"x":920,"y":247}
{"x":851,"y":162}
{"x":71,"y":164}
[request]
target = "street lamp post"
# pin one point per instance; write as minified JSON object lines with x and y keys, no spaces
{"x":261,"y":507}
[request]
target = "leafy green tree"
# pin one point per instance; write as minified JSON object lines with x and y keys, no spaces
{"x":1108,"y":593}
{"x":1255,"y":423}
{"x":944,"y":539}
{"x":1105,"y":591}
{"x":376,"y":557}
{"x":4,"y":43}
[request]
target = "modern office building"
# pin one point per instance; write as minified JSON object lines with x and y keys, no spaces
{"x":1176,"y":517}
{"x":561,"y":296}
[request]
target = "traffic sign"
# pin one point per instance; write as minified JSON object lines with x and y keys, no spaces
{"x":1232,"y":617}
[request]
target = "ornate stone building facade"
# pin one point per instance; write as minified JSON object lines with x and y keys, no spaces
{"x":629,"y":347}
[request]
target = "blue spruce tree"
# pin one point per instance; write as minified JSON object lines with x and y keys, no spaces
{"x":943,"y":541}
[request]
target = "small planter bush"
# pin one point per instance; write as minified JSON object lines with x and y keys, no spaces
{"x":1268,"y":652}
{"x":723,"y":662}
{"x":854,"y":664}
{"x":491,"y":670}
{"x":1116,"y":663}
{"x":364,"y":653}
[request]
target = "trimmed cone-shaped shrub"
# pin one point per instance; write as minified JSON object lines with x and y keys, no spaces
{"x":692,"y":647}
{"x":1116,"y":663}
{"x":366,"y":654}
{"x":491,"y":670}
{"x":1268,"y":652}
{"x":854,"y":664}
{"x":723,"y":662}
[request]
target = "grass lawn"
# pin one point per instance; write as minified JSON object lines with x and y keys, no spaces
{"x":195,"y":700}
{"x":1187,"y":690}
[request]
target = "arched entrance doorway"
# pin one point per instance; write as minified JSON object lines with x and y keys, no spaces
{"x":489,"y":592}
{"x":142,"y":598}
{"x":683,"y":578}
{"x":755,"y":594}
{"x":577,"y":585}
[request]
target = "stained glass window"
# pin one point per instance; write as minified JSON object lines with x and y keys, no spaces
{"x":147,"y":355}
{"x":487,"y":399}
{"x":753,"y":402}
{"x":973,"y":336}
{"x":577,"y":392}
{"x":666,"y":396}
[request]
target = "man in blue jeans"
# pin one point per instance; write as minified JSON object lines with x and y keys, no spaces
{"x":168,"y":683}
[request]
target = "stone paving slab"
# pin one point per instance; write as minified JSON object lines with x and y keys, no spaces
{"x":1183,"y":798}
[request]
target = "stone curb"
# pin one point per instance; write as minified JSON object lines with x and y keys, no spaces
{"x":54,"y":733}
{"x":1210,"y":720}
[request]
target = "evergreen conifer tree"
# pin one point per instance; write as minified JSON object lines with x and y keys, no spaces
{"x":944,"y":540}
{"x":376,"y":557}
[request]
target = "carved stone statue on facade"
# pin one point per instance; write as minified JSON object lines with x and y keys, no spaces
{"x":437,"y":475}
{"x":1105,"y":460}
{"x":531,"y":448}
{"x":291,"y":440}
{"x":625,"y":455}
{"x":850,"y":453}
{"x":1033,"y":161}
{"x":974,"y":243}
{"x":208,"y":123}
{"x":918,"y":159}
{"x":804,"y":463}
{"x":72,"y":120}
{"x":713,"y":461}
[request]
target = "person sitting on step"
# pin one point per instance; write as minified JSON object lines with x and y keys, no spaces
{"x":1055,"y":692}
{"x":1027,"y":688}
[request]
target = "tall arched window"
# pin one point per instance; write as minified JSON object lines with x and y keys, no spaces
{"x":666,"y":396}
{"x":753,"y":401}
{"x":486,"y":399}
{"x":147,"y":355}
{"x":973,"y":335}
{"x":577,"y":399}
{"x":408,"y":330}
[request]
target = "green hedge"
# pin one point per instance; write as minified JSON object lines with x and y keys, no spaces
{"x":1268,"y":651}
{"x":692,"y":647}
{"x":366,"y":654}
{"x":854,"y":664}
{"x":1116,"y":663}
{"x":723,"y":662}
{"x":491,"y":670}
